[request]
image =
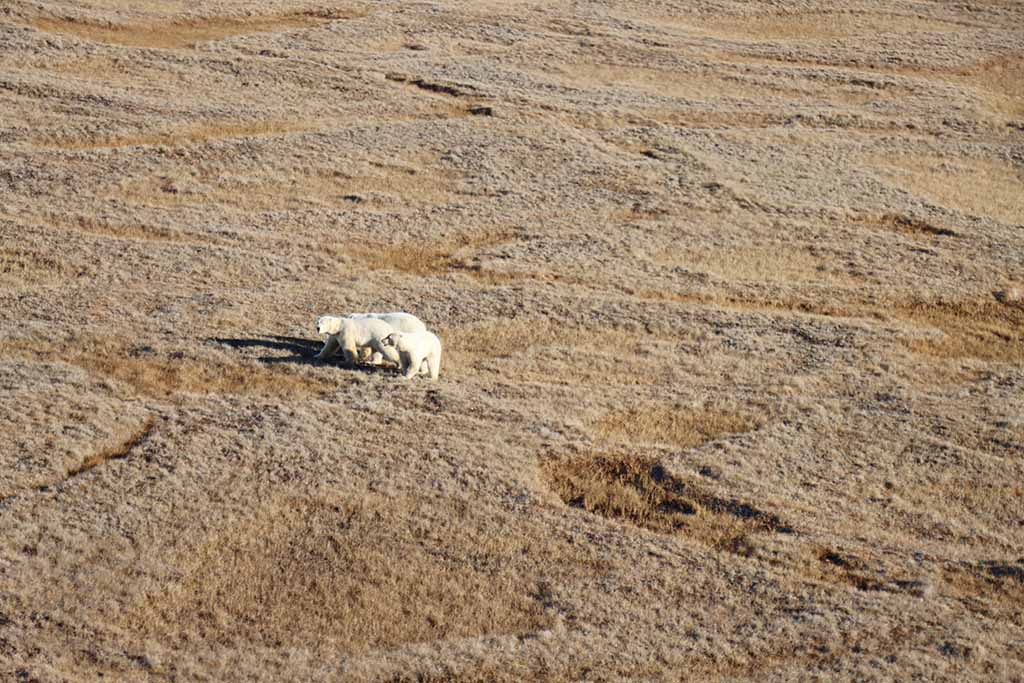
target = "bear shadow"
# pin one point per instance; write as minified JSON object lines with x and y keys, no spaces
{"x":303,"y":351}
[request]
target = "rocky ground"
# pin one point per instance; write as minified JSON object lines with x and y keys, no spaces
{"x":731,"y":298}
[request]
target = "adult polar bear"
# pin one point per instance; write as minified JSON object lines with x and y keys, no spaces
{"x":414,"y":348}
{"x":364,"y":331}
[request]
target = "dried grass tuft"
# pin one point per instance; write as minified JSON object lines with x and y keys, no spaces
{"x":674,"y":426}
{"x":121,"y":450}
{"x":426,"y":258}
{"x":987,"y":330}
{"x":639,"y":491}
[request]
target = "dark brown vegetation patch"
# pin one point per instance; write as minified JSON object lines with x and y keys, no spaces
{"x":639,"y":491}
{"x":839,"y":567}
{"x":908,"y":225}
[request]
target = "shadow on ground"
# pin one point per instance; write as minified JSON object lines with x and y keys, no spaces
{"x":303,"y":351}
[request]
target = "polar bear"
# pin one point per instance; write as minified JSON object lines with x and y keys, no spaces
{"x":352,"y":335}
{"x":366,"y":334}
{"x":414,"y":348}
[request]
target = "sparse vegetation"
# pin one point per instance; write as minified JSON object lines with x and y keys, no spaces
{"x":187,"y":32}
{"x":954,"y":183}
{"x":171,"y":373}
{"x":323,"y":574}
{"x":185,"y":135}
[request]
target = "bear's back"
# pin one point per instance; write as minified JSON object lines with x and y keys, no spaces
{"x":403,"y":322}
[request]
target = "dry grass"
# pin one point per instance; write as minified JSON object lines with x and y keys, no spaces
{"x":168,"y":377}
{"x":491,"y":276}
{"x":663,"y":82}
{"x":519,"y":336}
{"x":684,"y":117}
{"x":983,"y":329}
{"x":347,"y":576}
{"x":469,"y":345}
{"x":362,"y":186}
{"x":116,"y":452}
{"x":20,"y":266}
{"x":191,"y":134}
{"x":661,"y":239}
{"x":838,"y":567}
{"x":672,"y":426}
{"x":957,"y":183}
{"x":426,"y":259}
{"x":639,"y":491}
{"x":990,"y":587}
{"x":906,"y":225}
{"x":109,"y":69}
{"x":187,"y":32}
{"x":1000,"y":80}
{"x":543,"y":351}
{"x":101,"y":226}
{"x":766,"y":263}
{"x":416,"y":180}
{"x":808,"y":26}
{"x":721,"y":84}
{"x":548,"y":352}
{"x":169,"y":374}
{"x":987,"y":330}
{"x":995,"y":501}
{"x":413,"y":258}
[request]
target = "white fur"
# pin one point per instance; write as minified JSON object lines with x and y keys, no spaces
{"x":355,"y":336}
{"x":401,"y":321}
{"x":398,"y":320}
{"x":414,"y":348}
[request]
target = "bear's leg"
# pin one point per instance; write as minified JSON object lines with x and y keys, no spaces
{"x":434,"y":363}
{"x":376,"y":358}
{"x":414,"y":362}
{"x":330,"y":348}
{"x":351,"y":354}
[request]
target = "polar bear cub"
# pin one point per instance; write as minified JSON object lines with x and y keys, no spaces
{"x":414,"y":348}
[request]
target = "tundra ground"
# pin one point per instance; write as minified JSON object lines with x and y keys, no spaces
{"x":731,"y":299}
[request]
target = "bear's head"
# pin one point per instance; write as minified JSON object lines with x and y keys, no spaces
{"x":391,"y":339}
{"x":328,"y":324}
